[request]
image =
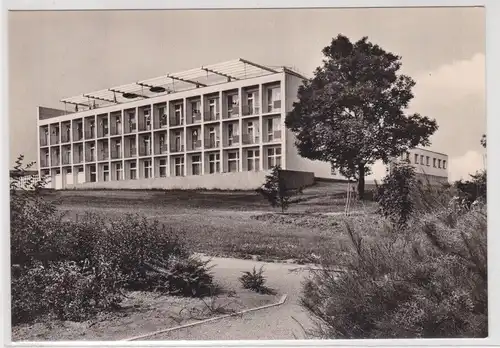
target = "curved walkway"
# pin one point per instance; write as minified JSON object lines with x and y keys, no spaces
{"x":276,"y":323}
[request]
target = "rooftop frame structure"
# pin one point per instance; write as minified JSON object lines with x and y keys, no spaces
{"x":208,"y":75}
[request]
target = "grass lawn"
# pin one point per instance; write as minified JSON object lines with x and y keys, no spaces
{"x":235,"y":224}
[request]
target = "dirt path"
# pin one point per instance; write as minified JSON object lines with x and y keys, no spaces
{"x":268,"y":324}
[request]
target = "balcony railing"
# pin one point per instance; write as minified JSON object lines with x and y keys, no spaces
{"x":131,"y":152}
{"x":175,"y":121}
{"x":177,"y":148}
{"x":55,"y":161}
{"x":89,"y":134}
{"x":89,"y":157}
{"x":194,"y":145}
{"x":234,"y":140}
{"x":272,"y":136}
{"x":274,"y":106}
{"x":250,"y":139}
{"x":211,"y":116}
{"x":116,"y":154}
{"x":104,"y":155}
{"x":196,"y":116}
{"x":54,"y":139}
{"x":163,"y":121}
{"x":233,"y":111}
{"x":44,"y":141}
{"x":163,"y":149}
{"x":211,"y":143}
{"x":250,"y":110}
{"x":65,"y":137}
{"x":44,"y":163}
{"x":66,"y":158}
{"x":103,"y":131}
{"x":77,"y":158}
{"x":144,"y":126}
{"x":78,"y":136}
{"x":144,"y":151}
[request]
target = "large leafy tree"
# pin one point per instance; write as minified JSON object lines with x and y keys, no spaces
{"x":352,"y":112}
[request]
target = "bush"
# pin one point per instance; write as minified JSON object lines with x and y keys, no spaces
{"x":65,"y":290}
{"x":71,"y":269}
{"x":395,"y":195}
{"x":275,"y":190}
{"x":255,"y":281}
{"x":429,"y":282}
{"x":470,"y":191}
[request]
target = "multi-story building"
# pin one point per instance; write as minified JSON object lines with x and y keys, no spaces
{"x":429,"y":166}
{"x":219,"y":126}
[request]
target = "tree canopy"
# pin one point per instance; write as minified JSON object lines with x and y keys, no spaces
{"x":352,"y":112}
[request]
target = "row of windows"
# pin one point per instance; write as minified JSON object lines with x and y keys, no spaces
{"x":426,"y":161}
{"x":213,"y":165}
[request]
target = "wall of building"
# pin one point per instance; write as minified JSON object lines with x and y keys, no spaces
{"x":293,"y":160}
{"x":434,"y":164}
{"x":45,"y":113}
{"x":221,"y":181}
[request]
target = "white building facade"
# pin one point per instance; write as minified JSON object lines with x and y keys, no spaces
{"x":429,"y":166}
{"x":216,"y":127}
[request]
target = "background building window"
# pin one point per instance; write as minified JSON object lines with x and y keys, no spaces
{"x":196,"y":165}
{"x":273,"y":157}
{"x":253,"y":160}
{"x":163,"y":168}
{"x":214,"y":163}
{"x":179,"y":166}
{"x":232,"y":161}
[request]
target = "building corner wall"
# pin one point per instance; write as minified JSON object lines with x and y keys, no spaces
{"x":294,"y":161}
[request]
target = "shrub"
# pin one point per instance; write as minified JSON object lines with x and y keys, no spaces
{"x":275,"y":190}
{"x":395,"y":195}
{"x":71,"y":269}
{"x":470,"y":191}
{"x":429,"y":281}
{"x":65,"y":290}
{"x":255,"y":281}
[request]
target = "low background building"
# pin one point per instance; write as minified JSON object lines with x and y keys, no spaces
{"x":429,"y":166}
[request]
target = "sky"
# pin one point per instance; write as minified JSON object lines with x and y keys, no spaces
{"x":58,"y":54}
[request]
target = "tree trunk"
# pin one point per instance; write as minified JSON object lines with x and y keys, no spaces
{"x":361,"y":182}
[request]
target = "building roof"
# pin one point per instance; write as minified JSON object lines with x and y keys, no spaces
{"x":208,"y":75}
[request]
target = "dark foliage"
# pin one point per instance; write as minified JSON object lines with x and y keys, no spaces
{"x":351,"y":113}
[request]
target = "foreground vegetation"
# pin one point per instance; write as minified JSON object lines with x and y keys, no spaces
{"x":425,"y":276}
{"x":70,"y":270}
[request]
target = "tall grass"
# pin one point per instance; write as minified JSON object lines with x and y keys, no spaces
{"x":425,"y":280}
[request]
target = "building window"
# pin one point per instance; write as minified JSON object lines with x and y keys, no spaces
{"x":163,"y":116}
{"x":232,"y":104}
{"x":444,"y":164}
{"x":148,"y":173}
{"x":212,"y":108}
{"x":131,"y":122}
{"x":178,"y":145}
{"x":196,"y":165}
{"x":422,"y":159}
{"x":214,"y":163}
{"x":253,"y":160}
{"x":179,"y":166}
{"x":105,"y":172}
{"x":232,"y":161}
{"x":427,"y":160}
{"x":119,"y":171}
{"x":93,"y":174}
{"x":147,"y":119}
{"x":270,"y":129}
{"x":179,"y":116}
{"x":434,"y":162}
{"x":416,"y":159}
{"x":439,"y":163}
{"x":133,"y":170}
{"x":273,"y":99}
{"x":195,"y":108}
{"x":273,"y":157}
{"x":163,"y":168}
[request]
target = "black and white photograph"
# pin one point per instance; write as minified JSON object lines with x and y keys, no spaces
{"x":247,"y":174}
